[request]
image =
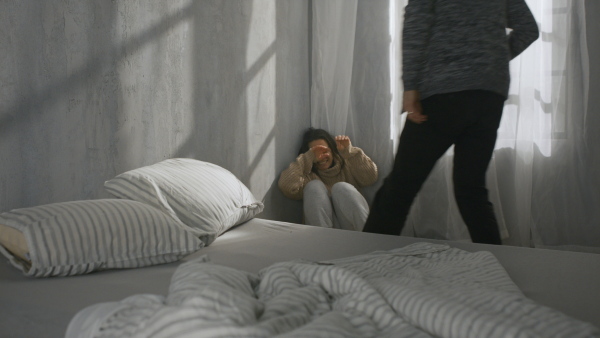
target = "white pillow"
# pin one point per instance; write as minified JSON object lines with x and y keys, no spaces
{"x":202,"y":195}
{"x":79,"y":237}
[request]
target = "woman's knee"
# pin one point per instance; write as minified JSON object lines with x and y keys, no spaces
{"x":351,"y":208}
{"x":343,"y":188}
{"x":315,"y":191}
{"x":346,"y":194}
{"x":315,"y":185}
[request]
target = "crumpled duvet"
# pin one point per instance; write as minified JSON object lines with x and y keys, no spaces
{"x":422,"y":290}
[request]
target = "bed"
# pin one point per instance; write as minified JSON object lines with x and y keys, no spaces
{"x":558,"y":286}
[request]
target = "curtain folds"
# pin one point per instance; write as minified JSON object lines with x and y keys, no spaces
{"x":334,"y":23}
{"x":352,"y":87}
{"x":542,"y":178}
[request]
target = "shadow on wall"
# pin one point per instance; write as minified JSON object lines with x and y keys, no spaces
{"x":244,"y":120}
{"x":242,"y":103}
{"x":59,"y":138}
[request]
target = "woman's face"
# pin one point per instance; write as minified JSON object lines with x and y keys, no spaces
{"x":322,"y":153}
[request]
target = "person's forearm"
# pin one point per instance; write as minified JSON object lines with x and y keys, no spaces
{"x":363,"y":169}
{"x":293,"y":179}
{"x":523,"y":25}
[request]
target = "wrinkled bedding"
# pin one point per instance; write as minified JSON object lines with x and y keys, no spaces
{"x":421,"y":290}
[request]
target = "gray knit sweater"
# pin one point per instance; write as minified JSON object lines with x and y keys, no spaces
{"x":455,"y":45}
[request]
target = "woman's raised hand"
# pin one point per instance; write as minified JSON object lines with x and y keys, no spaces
{"x":321,"y":153}
{"x":342,"y":142}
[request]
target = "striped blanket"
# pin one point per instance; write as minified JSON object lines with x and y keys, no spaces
{"x":422,"y":290}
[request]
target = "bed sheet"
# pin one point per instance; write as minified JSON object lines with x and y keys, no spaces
{"x":566,"y":281}
{"x":421,"y":290}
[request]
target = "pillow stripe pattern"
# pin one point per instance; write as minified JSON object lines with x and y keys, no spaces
{"x":78,"y":237}
{"x":202,"y":195}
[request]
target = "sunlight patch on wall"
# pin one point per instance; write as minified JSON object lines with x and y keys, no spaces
{"x":151,"y":43}
{"x":260,"y":96}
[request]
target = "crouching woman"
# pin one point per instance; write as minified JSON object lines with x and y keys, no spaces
{"x":327,"y":176}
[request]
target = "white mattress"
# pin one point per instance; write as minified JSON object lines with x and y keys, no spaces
{"x":566,"y":281}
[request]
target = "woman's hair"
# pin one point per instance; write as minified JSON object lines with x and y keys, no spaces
{"x":312,"y":134}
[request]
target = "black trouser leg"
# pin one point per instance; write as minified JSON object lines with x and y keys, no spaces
{"x":469,"y":120}
{"x":473,"y":151}
{"x":419,"y":149}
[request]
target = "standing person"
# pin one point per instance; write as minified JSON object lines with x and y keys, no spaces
{"x":456,"y":79}
{"x":327,"y":175}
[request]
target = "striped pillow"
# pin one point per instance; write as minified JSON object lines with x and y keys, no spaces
{"x":78,"y":237}
{"x":202,"y":195}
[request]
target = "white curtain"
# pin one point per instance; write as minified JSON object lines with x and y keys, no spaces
{"x":332,"y":59}
{"x":353,"y":87}
{"x":543,"y":178}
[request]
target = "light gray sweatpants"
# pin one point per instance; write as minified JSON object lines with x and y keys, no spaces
{"x":345,"y":209}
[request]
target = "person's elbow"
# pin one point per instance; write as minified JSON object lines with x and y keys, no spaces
{"x":292,"y":192}
{"x":371,"y":178}
{"x":532,"y":32}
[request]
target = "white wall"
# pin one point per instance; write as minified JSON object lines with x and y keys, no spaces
{"x":90,"y":89}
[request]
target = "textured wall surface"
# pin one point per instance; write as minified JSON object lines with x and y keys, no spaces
{"x":90,"y":89}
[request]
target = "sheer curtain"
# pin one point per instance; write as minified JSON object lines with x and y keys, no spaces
{"x":543,"y":176}
{"x":544,"y":139}
{"x":353,"y":87}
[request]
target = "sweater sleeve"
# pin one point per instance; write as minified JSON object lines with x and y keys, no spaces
{"x":293,"y":179}
{"x":523,"y":25}
{"x":418,"y":18}
{"x":361,"y":167}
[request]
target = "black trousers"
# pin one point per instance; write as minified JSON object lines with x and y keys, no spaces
{"x":469,"y":120}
